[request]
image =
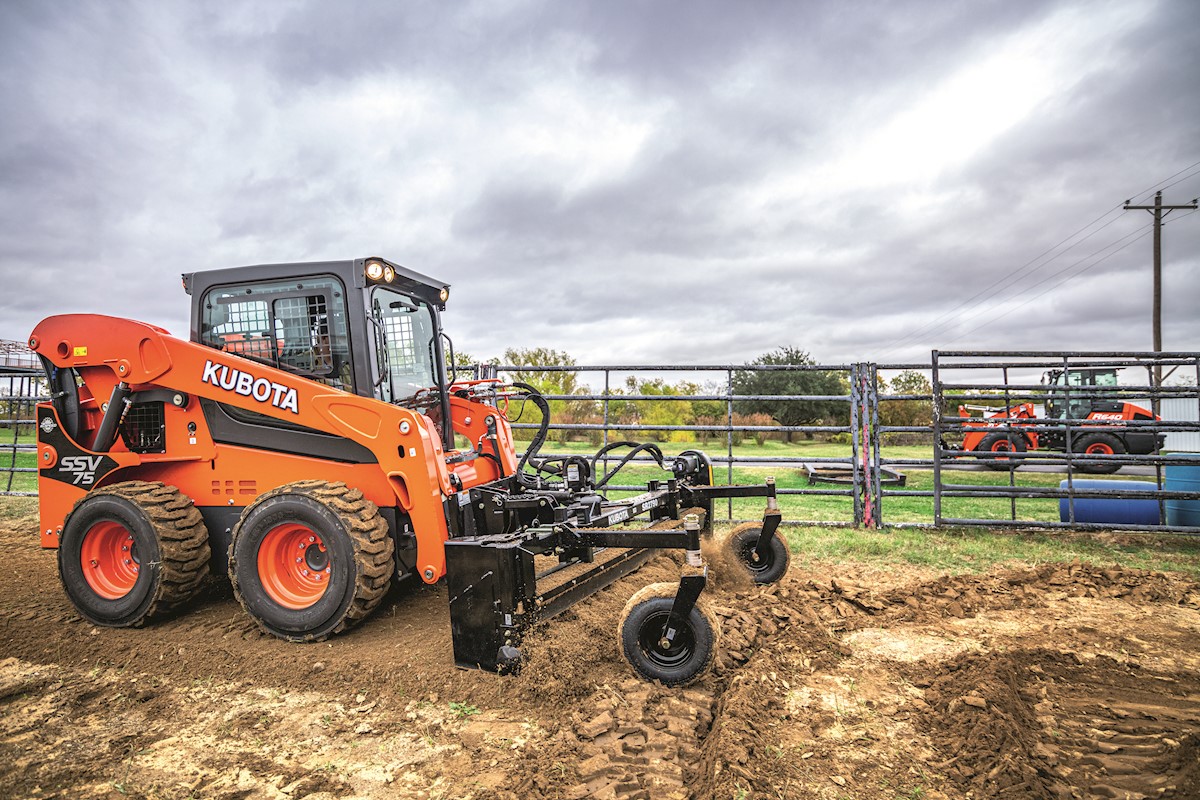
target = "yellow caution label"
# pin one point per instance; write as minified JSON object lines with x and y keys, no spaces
{"x":80,"y":351}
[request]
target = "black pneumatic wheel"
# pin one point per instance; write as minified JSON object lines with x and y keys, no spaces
{"x":769,"y":568}
{"x":1001,"y":451}
{"x":310,"y":559}
{"x":131,"y":552}
{"x":641,"y":628}
{"x":1103,"y":444}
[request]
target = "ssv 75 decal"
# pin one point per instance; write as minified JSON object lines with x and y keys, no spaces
{"x":82,"y":468}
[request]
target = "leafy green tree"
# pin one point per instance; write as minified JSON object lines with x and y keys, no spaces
{"x":792,"y":382}
{"x":666,"y":412}
{"x":710,"y":413}
{"x":711,"y":408}
{"x":906,"y":413}
{"x":553,"y":382}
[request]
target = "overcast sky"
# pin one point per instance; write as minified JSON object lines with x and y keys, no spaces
{"x":632,"y":182}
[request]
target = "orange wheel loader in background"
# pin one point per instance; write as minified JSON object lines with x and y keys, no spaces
{"x":1093,"y":428}
{"x":308,"y":442}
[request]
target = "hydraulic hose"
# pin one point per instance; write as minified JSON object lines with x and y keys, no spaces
{"x":540,"y":437}
{"x":652,"y":449}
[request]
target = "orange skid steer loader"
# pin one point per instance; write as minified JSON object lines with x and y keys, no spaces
{"x":309,"y":442}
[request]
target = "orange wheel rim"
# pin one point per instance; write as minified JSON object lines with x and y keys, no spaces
{"x":109,"y":559}
{"x":1099,"y":449}
{"x":1001,"y":446}
{"x":293,"y":565}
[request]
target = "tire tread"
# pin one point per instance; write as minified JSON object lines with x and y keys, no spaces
{"x":183,"y":545}
{"x":369,"y":537}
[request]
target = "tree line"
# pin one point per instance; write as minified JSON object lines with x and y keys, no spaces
{"x":683,"y":404}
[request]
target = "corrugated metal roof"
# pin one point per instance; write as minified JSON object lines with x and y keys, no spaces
{"x":16,"y":354}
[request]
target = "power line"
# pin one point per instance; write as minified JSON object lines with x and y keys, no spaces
{"x":1159,"y":185}
{"x":1143,"y":235}
{"x":1009,"y":279}
{"x":1006,"y":281}
{"x":1048,"y":289}
{"x":1181,"y":180}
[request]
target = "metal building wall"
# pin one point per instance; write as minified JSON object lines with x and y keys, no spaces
{"x":1182,"y":409}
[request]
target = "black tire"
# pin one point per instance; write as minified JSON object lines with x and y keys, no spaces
{"x":995,"y":450}
{"x":1098,"y":443}
{"x":740,"y":545}
{"x":343,"y":560}
{"x":641,"y":627}
{"x":131,"y":552}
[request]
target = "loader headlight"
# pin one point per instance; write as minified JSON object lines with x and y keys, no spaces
{"x":389,"y":274}
{"x":444,"y":294}
{"x":374,"y":270}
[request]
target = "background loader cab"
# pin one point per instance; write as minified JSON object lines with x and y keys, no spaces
{"x":1093,"y":424}
{"x":1080,"y":406}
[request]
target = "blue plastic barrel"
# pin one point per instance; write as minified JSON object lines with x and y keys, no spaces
{"x":1183,"y":478}
{"x":1111,"y":510}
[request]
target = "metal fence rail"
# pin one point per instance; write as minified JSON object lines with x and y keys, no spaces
{"x":722,"y":375}
{"x":21,"y":389}
{"x":964,"y":377}
{"x":867,"y":474}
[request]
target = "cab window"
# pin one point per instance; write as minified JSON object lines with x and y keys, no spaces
{"x":405,"y":331}
{"x":297,"y":326}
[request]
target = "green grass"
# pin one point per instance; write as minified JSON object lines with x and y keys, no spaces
{"x":20,"y":481}
{"x":811,"y":507}
{"x":944,"y":550}
{"x":950,"y":550}
{"x":799,"y":450}
{"x":895,"y":508}
{"x":980,"y":549}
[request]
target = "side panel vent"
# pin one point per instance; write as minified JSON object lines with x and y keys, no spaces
{"x":143,"y":430}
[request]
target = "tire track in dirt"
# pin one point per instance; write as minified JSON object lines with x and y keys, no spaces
{"x":717,"y":739}
{"x":1048,"y":724}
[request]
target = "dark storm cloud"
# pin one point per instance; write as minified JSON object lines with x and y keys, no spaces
{"x":608,"y":178}
{"x":673,"y":202}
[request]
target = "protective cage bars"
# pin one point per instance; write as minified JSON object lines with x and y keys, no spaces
{"x":867,"y":477}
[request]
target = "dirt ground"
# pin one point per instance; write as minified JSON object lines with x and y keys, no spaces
{"x":1056,"y":681}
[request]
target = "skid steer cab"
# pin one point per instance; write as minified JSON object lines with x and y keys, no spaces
{"x":310,"y":442}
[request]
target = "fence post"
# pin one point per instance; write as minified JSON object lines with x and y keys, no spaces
{"x":872,"y":415}
{"x":864,"y":437}
{"x":1012,"y":473}
{"x":729,"y":437}
{"x":607,"y":373}
{"x":856,"y":428}
{"x":938,"y":455}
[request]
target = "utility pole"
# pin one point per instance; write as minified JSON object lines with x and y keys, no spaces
{"x":1159,"y":211}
